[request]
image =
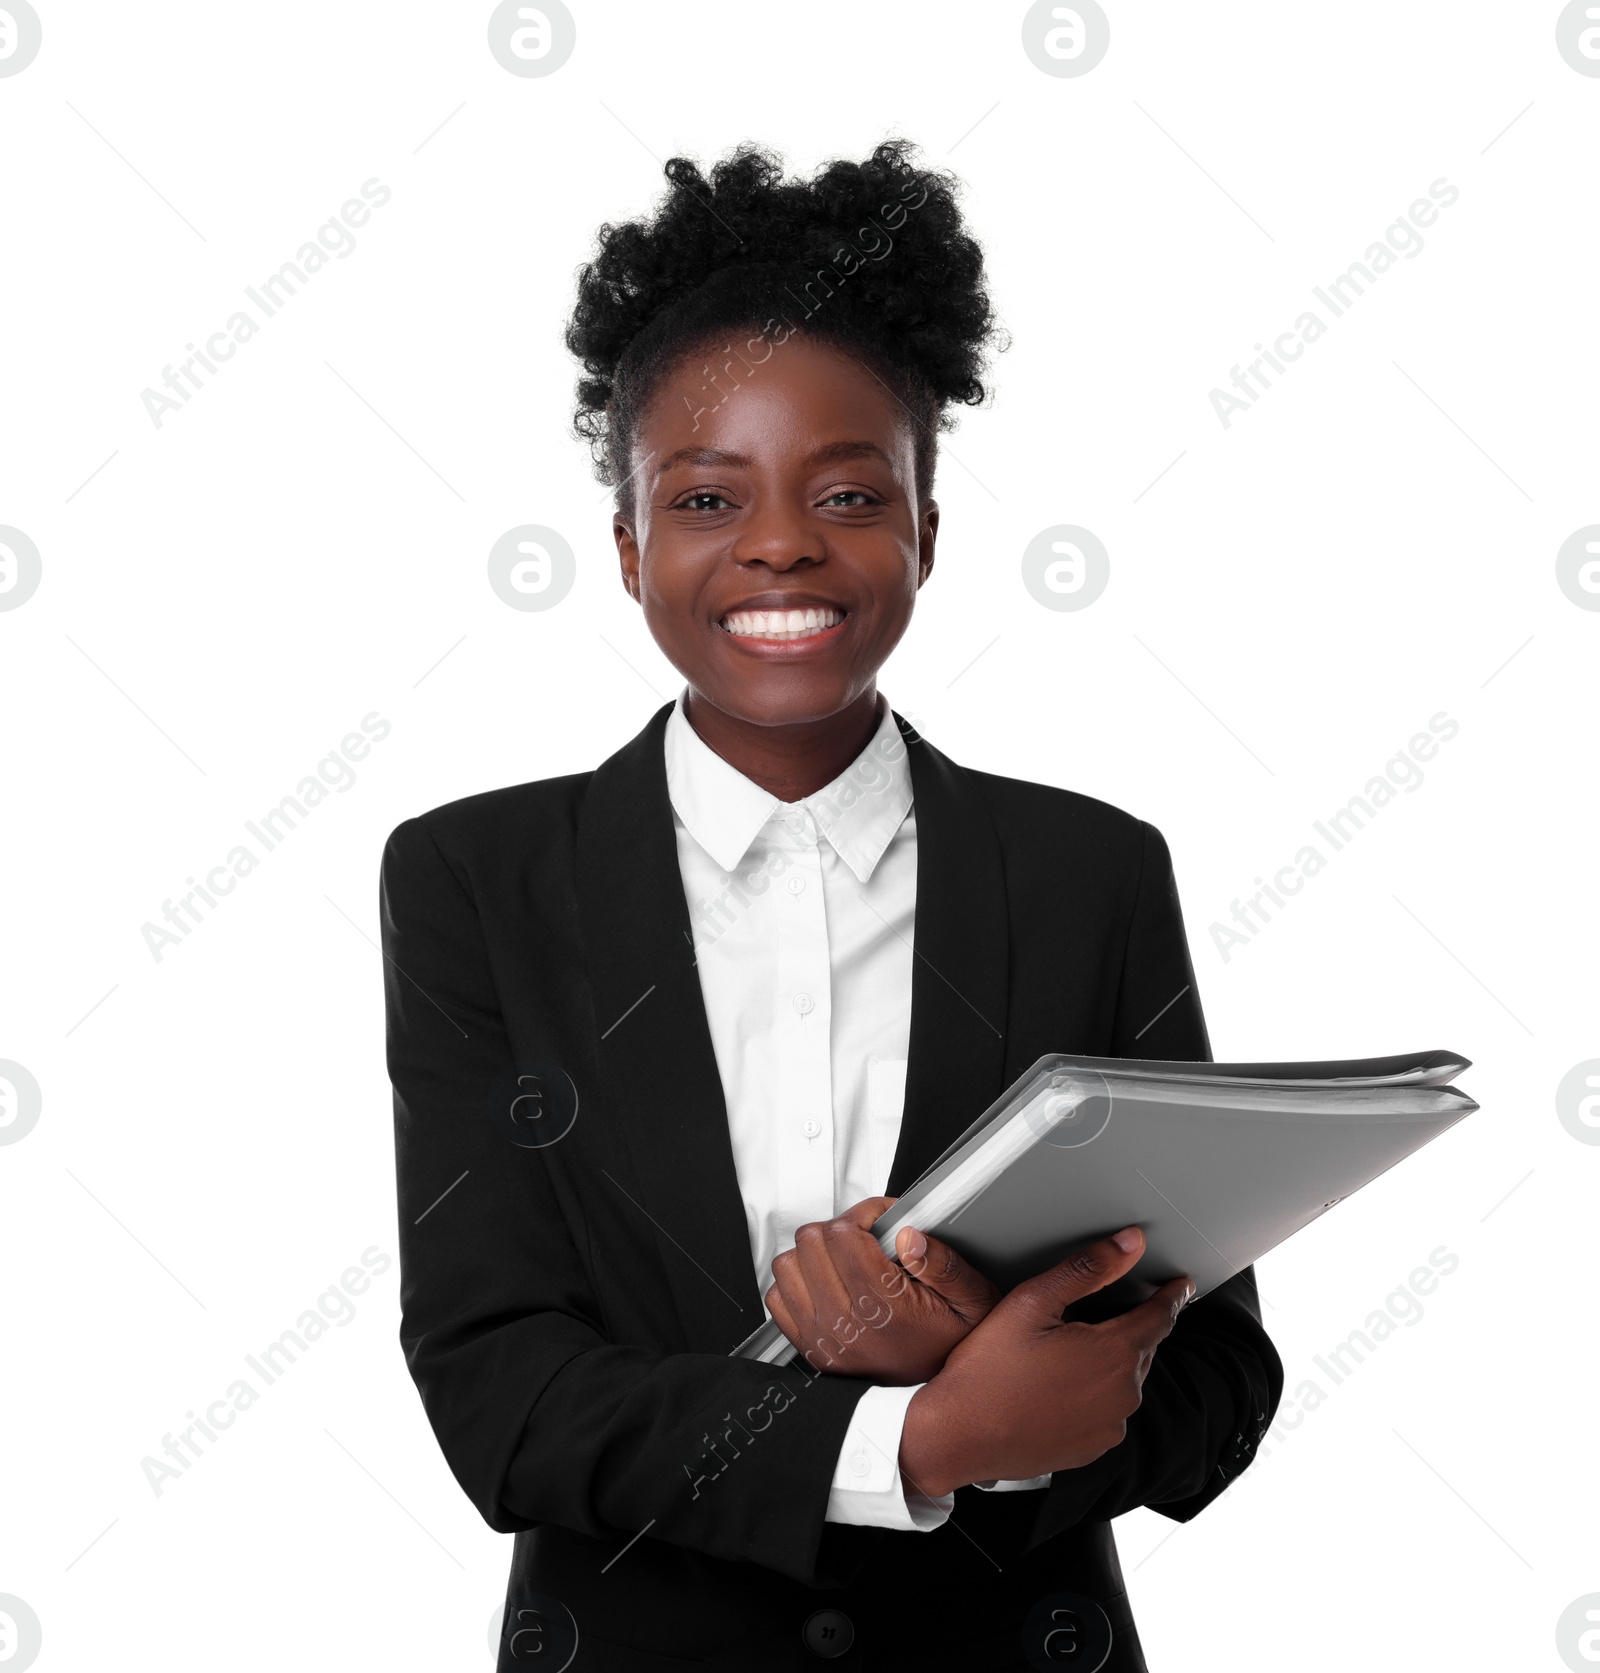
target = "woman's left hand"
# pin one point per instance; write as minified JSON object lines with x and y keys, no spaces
{"x":851,"y":1310}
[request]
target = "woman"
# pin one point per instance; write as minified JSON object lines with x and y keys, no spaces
{"x":667,"y":1036}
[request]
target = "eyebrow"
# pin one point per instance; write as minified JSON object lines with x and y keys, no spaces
{"x":833,"y":454}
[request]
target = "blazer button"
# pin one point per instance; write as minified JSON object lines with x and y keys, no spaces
{"x":828,"y":1633}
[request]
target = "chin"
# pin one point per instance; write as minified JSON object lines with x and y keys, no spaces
{"x":777,"y":701}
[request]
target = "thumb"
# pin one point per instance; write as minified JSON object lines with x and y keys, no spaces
{"x":1083,"y":1272}
{"x":945,"y":1272}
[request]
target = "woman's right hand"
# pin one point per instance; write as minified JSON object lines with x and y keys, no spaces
{"x":1027,"y":1393}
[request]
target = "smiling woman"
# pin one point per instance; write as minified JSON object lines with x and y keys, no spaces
{"x":784,"y":951}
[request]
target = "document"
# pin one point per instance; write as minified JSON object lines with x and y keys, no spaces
{"x":1217,"y":1162}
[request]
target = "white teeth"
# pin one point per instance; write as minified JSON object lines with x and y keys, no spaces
{"x":781,"y":624}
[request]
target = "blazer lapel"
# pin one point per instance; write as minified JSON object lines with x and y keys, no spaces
{"x":659,"y":1064}
{"x":956,"y":1062}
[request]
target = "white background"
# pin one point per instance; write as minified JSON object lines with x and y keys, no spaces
{"x":226,"y":596}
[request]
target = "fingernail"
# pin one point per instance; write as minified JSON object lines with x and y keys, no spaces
{"x":1128,"y":1240}
{"x":914,"y":1247}
{"x":1188,"y":1296}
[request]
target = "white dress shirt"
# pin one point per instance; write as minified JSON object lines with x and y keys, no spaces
{"x":802,"y":916}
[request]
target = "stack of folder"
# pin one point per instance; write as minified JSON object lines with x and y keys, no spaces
{"x":1217,"y":1162}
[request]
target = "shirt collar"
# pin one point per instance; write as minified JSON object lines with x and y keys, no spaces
{"x":859,"y":812}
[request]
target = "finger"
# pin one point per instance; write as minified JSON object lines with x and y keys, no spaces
{"x":1149,"y":1324}
{"x":786,"y":1272}
{"x":944,"y":1271}
{"x":816,"y":1353}
{"x":866,"y":1212}
{"x":781,"y":1316}
{"x":1081,"y":1273}
{"x":790,"y":1291}
{"x":814,"y":1248}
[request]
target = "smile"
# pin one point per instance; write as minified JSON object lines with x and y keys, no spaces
{"x":781,"y":624}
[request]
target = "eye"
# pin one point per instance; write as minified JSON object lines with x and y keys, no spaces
{"x":698,"y":501}
{"x":859,"y":495}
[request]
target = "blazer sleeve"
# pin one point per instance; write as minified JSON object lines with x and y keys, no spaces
{"x":541,"y":1417}
{"x":1215,"y":1382}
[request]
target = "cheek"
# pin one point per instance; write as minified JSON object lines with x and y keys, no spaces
{"x":670,"y":581}
{"x":894,"y":593}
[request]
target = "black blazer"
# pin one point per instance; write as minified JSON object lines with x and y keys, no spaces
{"x":575,"y":1265}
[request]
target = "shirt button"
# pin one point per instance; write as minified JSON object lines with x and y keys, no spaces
{"x":803,"y":1002}
{"x":811,"y":1127}
{"x":859,"y":1464}
{"x":796,"y":884}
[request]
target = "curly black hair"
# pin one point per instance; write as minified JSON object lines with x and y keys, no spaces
{"x":870,"y":256}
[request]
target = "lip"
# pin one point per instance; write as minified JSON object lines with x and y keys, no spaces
{"x":777,"y":598}
{"x":783,"y":650}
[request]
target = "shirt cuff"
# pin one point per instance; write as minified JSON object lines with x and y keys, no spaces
{"x":867,"y":1490}
{"x":1014,"y":1486}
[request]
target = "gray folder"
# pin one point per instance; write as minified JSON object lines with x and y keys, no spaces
{"x":1218,"y":1162}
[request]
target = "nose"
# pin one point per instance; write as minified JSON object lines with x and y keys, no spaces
{"x":776,"y":536}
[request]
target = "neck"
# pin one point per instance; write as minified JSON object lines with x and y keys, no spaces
{"x":790,"y":762}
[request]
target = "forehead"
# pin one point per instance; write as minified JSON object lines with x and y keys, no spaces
{"x":798,"y":401}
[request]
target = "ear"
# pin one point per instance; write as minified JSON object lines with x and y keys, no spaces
{"x":927,"y":534}
{"x":627,"y":554}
